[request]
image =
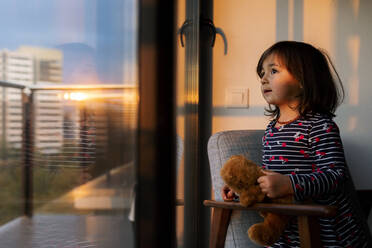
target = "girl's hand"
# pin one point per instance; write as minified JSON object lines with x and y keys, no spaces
{"x":227,"y":193}
{"x":274,"y":184}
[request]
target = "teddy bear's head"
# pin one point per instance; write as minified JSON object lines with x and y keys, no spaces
{"x":240,"y":175}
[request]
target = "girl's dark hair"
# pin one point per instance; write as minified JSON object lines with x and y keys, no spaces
{"x":322,"y":90}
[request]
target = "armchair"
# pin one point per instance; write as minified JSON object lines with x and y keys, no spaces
{"x":230,"y":220}
{"x":221,"y":146}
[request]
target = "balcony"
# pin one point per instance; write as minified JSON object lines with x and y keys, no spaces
{"x":69,"y":185}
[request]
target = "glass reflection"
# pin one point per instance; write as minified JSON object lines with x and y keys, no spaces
{"x":73,"y":65}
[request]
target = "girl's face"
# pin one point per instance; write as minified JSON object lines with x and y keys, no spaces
{"x":278,"y":86}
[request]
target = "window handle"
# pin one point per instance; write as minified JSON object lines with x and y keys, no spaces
{"x":204,"y":22}
{"x":220,"y":32}
{"x":182,"y":30}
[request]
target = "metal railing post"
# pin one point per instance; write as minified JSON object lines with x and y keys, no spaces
{"x":4,"y":155}
{"x":27,"y":148}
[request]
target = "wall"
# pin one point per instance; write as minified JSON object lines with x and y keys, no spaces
{"x":339,"y":27}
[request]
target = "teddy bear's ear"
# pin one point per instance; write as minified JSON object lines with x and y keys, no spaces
{"x":235,"y":157}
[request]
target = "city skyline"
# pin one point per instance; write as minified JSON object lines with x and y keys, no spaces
{"x":107,"y":29}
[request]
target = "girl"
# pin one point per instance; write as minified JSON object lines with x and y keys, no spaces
{"x":302,"y":149}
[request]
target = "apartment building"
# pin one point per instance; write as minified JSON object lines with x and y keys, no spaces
{"x":32,"y":66}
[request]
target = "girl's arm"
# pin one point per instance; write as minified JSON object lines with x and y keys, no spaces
{"x":329,"y":168}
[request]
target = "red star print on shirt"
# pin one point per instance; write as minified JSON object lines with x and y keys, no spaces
{"x":329,"y":129}
{"x":299,"y":138}
{"x":320,"y":153}
{"x":283,"y":159}
{"x":304,"y":153}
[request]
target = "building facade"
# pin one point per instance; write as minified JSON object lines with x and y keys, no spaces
{"x":30,"y":66}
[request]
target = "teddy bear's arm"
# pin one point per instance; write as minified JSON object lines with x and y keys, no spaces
{"x":251,"y":196}
{"x":256,"y":190}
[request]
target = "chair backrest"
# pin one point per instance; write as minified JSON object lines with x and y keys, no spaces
{"x":221,"y":146}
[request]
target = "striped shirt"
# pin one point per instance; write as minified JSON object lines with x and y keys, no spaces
{"x":310,"y":151}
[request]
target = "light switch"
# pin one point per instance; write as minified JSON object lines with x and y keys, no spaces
{"x":236,"y":98}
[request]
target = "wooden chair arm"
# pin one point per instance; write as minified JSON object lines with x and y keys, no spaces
{"x":287,"y":209}
{"x":308,"y":226}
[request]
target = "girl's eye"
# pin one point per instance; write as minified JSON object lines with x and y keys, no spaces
{"x":273,"y":71}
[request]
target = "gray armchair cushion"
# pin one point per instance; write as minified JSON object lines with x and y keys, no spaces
{"x":221,"y":146}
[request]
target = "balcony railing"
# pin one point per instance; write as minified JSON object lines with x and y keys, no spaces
{"x":65,"y":126}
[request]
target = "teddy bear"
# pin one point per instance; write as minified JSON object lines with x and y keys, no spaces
{"x":240,"y":175}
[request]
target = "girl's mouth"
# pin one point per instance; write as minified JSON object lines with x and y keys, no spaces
{"x":267,"y":91}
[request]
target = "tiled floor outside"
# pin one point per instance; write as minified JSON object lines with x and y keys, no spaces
{"x":92,"y":215}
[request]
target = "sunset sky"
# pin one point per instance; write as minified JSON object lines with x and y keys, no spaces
{"x":106,"y":27}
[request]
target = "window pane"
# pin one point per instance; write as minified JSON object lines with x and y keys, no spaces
{"x":68,"y":72}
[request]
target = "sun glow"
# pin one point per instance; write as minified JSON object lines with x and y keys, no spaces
{"x":75,"y":96}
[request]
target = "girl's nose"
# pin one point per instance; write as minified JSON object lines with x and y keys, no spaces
{"x":264,"y":80}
